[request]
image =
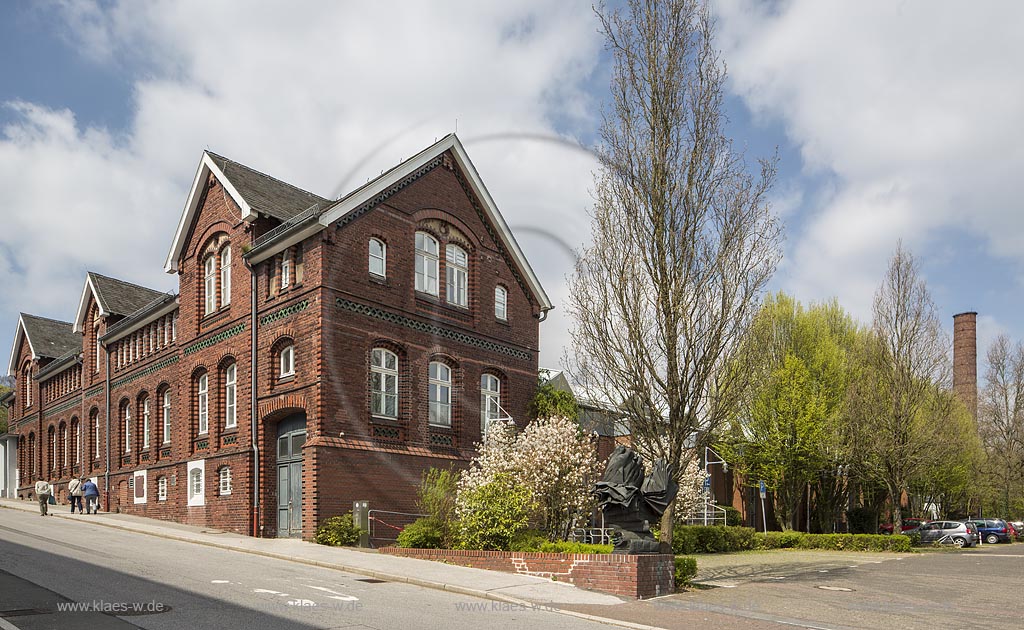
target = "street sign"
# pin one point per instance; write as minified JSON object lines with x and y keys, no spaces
{"x":764,"y":490}
{"x":707,"y":482}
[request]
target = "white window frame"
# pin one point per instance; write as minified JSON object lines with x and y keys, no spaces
{"x":287,"y":361}
{"x":96,"y":432}
{"x":490,"y":392}
{"x":439,"y":394}
{"x":203,"y":399}
{"x":210,"y":284}
{"x":225,"y":276}
{"x":456,"y":264}
{"x":383,"y":382}
{"x":230,"y":401}
{"x":224,"y":481}
{"x":195,"y":477}
{"x":78,"y":442}
{"x":96,"y":331}
{"x":145,"y":423}
{"x":427,"y":254}
{"x":167,"y":417}
{"x":64,"y":447}
{"x":379,"y":257}
{"x":161,"y":488}
{"x":501,"y":303}
{"x":128,"y":428}
{"x":286,"y":269}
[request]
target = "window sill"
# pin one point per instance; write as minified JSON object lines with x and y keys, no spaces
{"x":381,"y":280}
{"x":287,"y":378}
{"x":215,"y":316}
{"x":385,"y":420}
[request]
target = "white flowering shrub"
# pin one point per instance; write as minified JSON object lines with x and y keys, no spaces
{"x":691,"y":489}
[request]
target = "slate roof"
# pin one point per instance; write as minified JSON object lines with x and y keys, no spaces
{"x":49,"y":337}
{"x":119,"y":297}
{"x":265,"y":194}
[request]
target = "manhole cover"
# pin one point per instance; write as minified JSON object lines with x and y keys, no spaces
{"x":371,"y":580}
{"x":836,"y":588}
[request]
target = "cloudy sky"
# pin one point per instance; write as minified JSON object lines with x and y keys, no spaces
{"x":893,"y":120}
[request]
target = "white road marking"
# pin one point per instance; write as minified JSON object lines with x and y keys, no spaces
{"x":269,"y":592}
{"x":335,"y":594}
{"x":220,"y":581}
{"x":836,"y":588}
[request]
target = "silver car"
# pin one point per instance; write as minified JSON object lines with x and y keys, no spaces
{"x":948,"y":533}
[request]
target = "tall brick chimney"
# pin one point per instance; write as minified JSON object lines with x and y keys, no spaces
{"x":965,"y":360}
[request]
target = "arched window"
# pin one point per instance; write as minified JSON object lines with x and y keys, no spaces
{"x":457,"y":265}
{"x":161,"y":489}
{"x":230,"y":406}
{"x":501,"y":303}
{"x":76,"y":430}
{"x":383,"y":383}
{"x":196,"y":481}
{"x":64,"y":446}
{"x":166,"y":419}
{"x":490,"y":400}
{"x":94,"y":419}
{"x":426,"y":263}
{"x":126,"y":421}
{"x":51,"y":439}
{"x":378,"y":258}
{"x":440,"y":385}
{"x":145,"y":422}
{"x":26,"y":387}
{"x":225,"y":276}
{"x":287,"y":361}
{"x":210,"y":285}
{"x":203,"y":403}
{"x":32,"y":453}
{"x":224,"y":485}
{"x":286,"y":268}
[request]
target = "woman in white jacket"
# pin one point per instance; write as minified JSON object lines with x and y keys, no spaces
{"x":75,"y":492}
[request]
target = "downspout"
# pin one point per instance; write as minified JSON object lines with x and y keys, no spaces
{"x":256,"y":528}
{"x":106,"y":473}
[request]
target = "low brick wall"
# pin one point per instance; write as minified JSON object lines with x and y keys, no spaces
{"x":640,"y":576}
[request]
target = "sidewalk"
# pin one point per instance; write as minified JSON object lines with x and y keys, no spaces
{"x":522,"y":590}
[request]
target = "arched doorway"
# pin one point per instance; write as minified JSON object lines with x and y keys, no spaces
{"x":291,"y":435}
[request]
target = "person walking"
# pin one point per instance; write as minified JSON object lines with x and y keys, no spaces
{"x":75,"y":493}
{"x":43,"y":494}
{"x":92,"y":496}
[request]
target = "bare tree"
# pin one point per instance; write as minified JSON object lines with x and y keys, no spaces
{"x":898,"y":402}
{"x":1001,"y":418}
{"x":684,"y":239}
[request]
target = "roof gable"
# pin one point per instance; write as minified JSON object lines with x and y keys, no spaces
{"x":113,"y":297}
{"x":254,"y":192}
{"x":46,"y":337}
{"x":367,"y":193}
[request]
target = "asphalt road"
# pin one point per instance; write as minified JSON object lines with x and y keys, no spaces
{"x":129,"y":580}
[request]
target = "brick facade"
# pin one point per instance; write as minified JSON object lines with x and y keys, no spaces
{"x":330,"y":310}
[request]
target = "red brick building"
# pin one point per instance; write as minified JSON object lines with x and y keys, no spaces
{"x":317,"y":352}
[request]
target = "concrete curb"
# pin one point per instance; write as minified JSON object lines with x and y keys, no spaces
{"x":380,"y":575}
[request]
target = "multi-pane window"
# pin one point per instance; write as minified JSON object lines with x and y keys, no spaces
{"x":96,"y":367}
{"x":145,"y":423}
{"x":230,"y":408}
{"x":383,"y":383}
{"x":210,"y":286}
{"x":378,"y":258}
{"x":225,"y":481}
{"x":501,"y":303}
{"x":127,"y":428}
{"x":426,"y":263}
{"x":490,"y":400}
{"x":287,"y":361}
{"x":96,"y":435}
{"x":225,"y":276}
{"x":286,"y":269}
{"x":195,"y":483}
{"x":204,"y":403}
{"x":78,"y":443}
{"x":161,"y":489}
{"x":440,"y":384}
{"x":166,"y":421}
{"x":457,"y":265}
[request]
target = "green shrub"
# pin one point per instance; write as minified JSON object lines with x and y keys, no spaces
{"x":494,"y":514}
{"x":732,"y":516}
{"x":685,"y":571}
{"x":777,"y":540}
{"x":528,"y":540}
{"x":689,"y":539}
{"x":338,"y":531}
{"x":436,"y":499}
{"x":423,"y":533}
{"x":833,"y":542}
{"x":565,"y":546}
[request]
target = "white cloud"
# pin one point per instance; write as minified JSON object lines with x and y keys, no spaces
{"x":318,"y":94}
{"x":911,"y":111}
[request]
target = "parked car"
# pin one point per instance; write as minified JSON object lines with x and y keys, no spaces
{"x":993,"y":530}
{"x":1018,"y":527}
{"x":948,"y":532}
{"x":908,"y":524}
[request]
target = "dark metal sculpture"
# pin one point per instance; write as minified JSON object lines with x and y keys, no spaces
{"x":631,"y":501}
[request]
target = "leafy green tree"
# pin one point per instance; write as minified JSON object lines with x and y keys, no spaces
{"x":549,"y":402}
{"x":492,"y":514}
{"x":3,"y":410}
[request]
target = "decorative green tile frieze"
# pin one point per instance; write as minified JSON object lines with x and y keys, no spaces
{"x":92,"y":391}
{"x":284,"y":312}
{"x":214,"y":340}
{"x":438,"y":331}
{"x":144,"y":373}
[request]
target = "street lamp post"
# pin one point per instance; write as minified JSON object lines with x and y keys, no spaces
{"x":707,"y":476}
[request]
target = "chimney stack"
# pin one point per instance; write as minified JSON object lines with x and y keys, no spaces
{"x":965,"y":360}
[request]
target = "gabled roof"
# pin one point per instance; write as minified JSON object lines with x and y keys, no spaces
{"x":255,"y":193}
{"x":47,"y":338}
{"x":113,"y":296}
{"x":371,"y":189}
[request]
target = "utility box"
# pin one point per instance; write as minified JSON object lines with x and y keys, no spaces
{"x":361,"y":519}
